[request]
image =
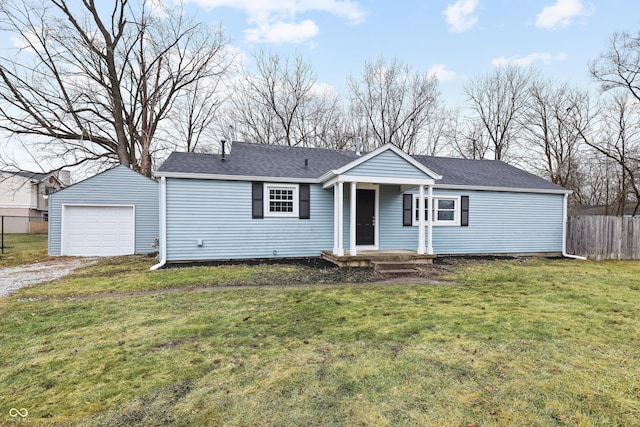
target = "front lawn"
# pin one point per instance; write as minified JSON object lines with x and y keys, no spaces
{"x":525,"y":342}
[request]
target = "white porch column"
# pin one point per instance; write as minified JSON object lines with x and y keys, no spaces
{"x":421,"y":247}
{"x":352,"y":220}
{"x":430,"y":220}
{"x":338,"y":209}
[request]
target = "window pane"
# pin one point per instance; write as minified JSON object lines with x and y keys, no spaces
{"x":446,"y":204}
{"x":276,"y":206}
{"x":445,"y":215}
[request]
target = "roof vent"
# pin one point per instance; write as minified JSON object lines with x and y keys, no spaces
{"x":223,"y":153}
{"x":306,"y":163}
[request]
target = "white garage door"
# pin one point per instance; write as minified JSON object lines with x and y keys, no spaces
{"x":98,"y":230}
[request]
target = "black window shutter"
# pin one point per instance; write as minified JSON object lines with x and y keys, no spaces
{"x":304,"y":201}
{"x":407,"y":209}
{"x":257,"y":206}
{"x":464,"y":211}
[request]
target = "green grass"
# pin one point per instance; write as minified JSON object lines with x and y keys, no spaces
{"x":22,"y":249}
{"x":530,"y":342}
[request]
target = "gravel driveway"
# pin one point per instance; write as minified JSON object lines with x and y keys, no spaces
{"x":14,"y":278}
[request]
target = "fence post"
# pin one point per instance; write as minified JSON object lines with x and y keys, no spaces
{"x":2,"y":226}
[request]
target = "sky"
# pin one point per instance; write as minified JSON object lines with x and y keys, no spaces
{"x":456,"y":40}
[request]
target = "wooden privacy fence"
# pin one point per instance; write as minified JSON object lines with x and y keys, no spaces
{"x":604,"y":237}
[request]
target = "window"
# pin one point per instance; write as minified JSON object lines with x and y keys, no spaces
{"x":281,"y":200}
{"x":45,"y":216}
{"x":49,"y":190}
{"x":446,"y":210}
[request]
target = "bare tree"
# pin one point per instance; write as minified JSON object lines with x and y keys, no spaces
{"x":619,"y":66}
{"x":279,"y":103}
{"x":498,"y":100}
{"x":434,"y":137}
{"x":553,"y":122}
{"x":194,"y":118}
{"x":618,"y":139}
{"x":94,"y":84}
{"x":392,"y":103}
{"x":467,"y":138}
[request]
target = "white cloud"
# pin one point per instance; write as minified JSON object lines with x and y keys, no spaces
{"x":560,"y":14}
{"x":275,"y":21}
{"x":441,"y":72}
{"x":282,"y":32}
{"x":461,"y":15}
{"x":525,"y":61}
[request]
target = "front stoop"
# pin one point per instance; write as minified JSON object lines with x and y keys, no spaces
{"x":386,"y":262}
{"x":394,"y":267}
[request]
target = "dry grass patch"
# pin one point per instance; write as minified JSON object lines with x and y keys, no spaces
{"x":131,"y":274}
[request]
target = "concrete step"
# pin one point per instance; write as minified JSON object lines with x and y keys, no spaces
{"x":394,"y":266}
{"x":398,"y":271}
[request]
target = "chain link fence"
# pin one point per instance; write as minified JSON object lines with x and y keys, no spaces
{"x":15,"y":224}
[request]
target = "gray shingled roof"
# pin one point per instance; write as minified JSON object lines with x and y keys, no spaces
{"x":483,"y":173}
{"x":260,"y":160}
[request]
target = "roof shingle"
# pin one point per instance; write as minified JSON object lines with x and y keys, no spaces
{"x":258,"y":160}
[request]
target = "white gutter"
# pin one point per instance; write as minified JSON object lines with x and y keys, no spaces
{"x":163,"y":224}
{"x":564,"y":230}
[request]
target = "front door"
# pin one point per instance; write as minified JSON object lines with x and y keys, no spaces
{"x":365,"y":217}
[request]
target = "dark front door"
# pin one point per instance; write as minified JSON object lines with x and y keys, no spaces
{"x":365,"y":217}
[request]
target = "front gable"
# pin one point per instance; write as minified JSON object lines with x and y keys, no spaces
{"x":387,"y":164}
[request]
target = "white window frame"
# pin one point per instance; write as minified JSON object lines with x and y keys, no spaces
{"x":436,"y":222}
{"x":271,"y":186}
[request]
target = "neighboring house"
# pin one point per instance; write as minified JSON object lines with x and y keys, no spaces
{"x":263,"y":201}
{"x":23,"y":199}
{"x":112,"y":213}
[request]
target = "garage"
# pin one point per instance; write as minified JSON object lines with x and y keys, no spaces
{"x":98,"y":230}
{"x":115,"y":212}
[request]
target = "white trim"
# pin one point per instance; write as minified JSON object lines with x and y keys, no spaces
{"x":383,"y":180}
{"x":430,"y":220}
{"x":421,"y":245}
{"x":328,"y":180}
{"x":338,"y":210}
{"x":434,"y":199}
{"x":219,"y":177}
{"x":374,"y":153}
{"x":353,"y":190}
{"x":500,"y":189}
{"x":266,"y":200}
{"x":64,"y":206}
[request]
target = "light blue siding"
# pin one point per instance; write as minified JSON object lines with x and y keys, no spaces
{"x":117,"y":186}
{"x":219,"y":214}
{"x":387,"y":164}
{"x":499,"y":222}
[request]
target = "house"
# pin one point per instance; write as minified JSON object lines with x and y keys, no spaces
{"x":264,"y":201}
{"x":23,"y":199}
{"x":112,"y":213}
